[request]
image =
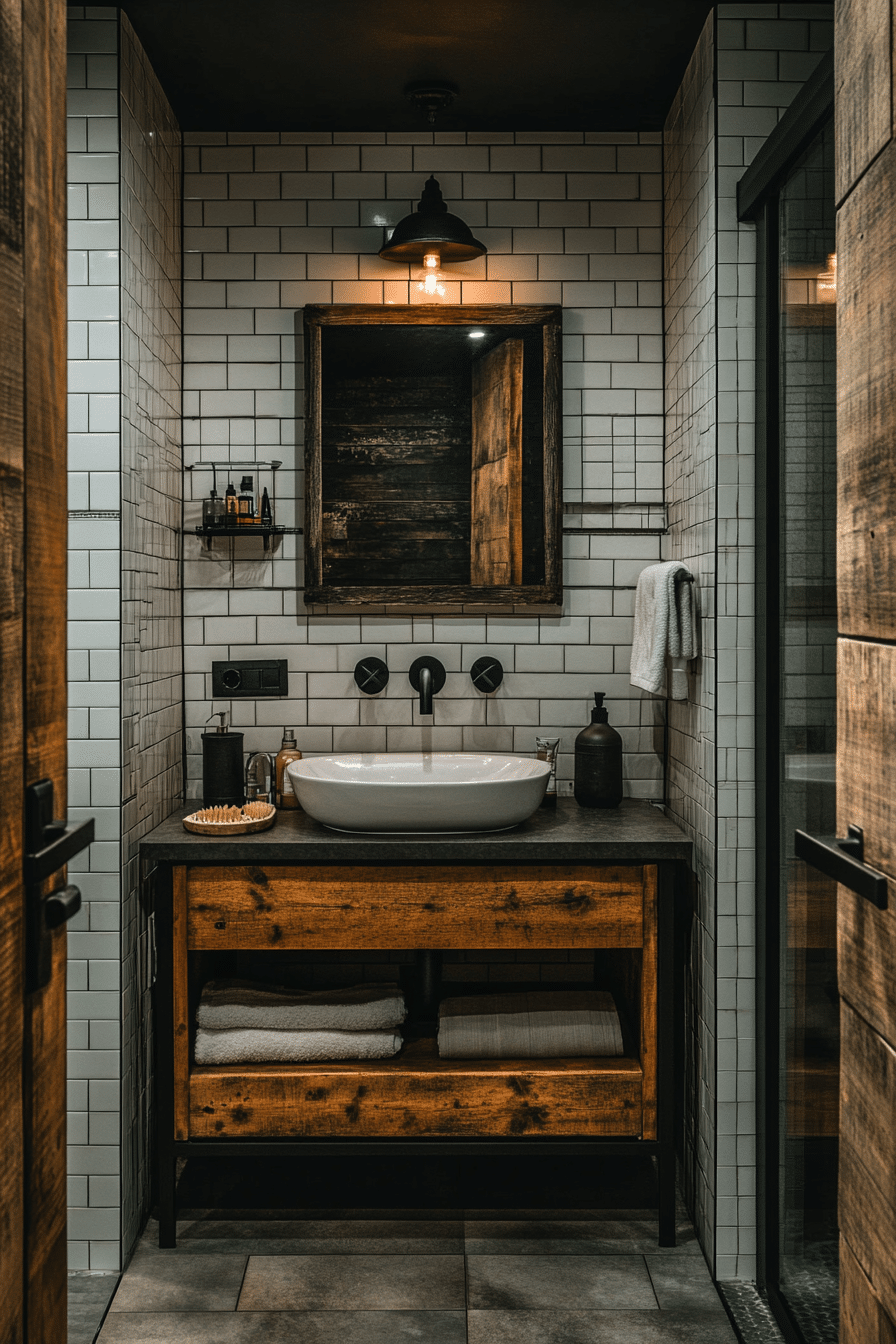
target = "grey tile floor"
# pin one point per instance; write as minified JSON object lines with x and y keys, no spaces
{"x":374,"y":1277}
{"x":88,"y":1297}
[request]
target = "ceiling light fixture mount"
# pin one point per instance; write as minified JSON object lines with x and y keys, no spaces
{"x":430,"y":98}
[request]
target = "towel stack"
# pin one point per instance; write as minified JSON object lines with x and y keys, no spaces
{"x":542,"y":1025}
{"x":241,"y":1022}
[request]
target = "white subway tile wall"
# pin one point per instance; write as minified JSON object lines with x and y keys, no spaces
{"x":274,"y":222}
{"x":94,"y":637}
{"x":759,"y":56}
{"x":125,"y":695}
{"x":151,"y":607}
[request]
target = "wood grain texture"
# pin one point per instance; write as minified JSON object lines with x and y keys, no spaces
{"x":351,"y":463}
{"x":862,"y":1318}
{"x":46,"y":505}
{"x":417,"y":1093}
{"x":181,"y":1003}
{"x":414,"y":907}
{"x":496,"y":476}
{"x":862,"y":83}
{"x":867,"y":1210}
{"x":12,"y":291}
{"x":866,"y":746}
{"x":437,"y":315}
{"x":648,"y":1005}
{"x":866,"y":405}
{"x":811,"y":907}
{"x":866,"y":957}
{"x":44,"y":1119}
{"x":553,"y":456}
{"x":813,"y":1098}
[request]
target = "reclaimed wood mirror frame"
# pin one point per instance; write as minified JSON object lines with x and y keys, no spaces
{"x":543,"y":430}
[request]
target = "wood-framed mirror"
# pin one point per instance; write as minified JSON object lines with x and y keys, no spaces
{"x":433,"y":455}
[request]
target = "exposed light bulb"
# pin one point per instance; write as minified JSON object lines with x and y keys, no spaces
{"x":430,"y":282}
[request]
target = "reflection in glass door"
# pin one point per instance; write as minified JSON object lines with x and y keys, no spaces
{"x":805,"y":602}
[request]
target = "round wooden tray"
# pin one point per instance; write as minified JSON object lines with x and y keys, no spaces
{"x":231,"y":820}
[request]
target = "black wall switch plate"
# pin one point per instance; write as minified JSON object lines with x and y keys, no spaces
{"x":248,"y":679}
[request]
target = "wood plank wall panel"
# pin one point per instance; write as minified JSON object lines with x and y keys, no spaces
{"x":45,"y":631}
{"x":866,"y":745}
{"x":496,"y":478}
{"x":866,"y":660}
{"x":12,"y":1324}
{"x":863,"y":88}
{"x":866,"y":396}
{"x":867,"y":1211}
{"x":862,"y":1318}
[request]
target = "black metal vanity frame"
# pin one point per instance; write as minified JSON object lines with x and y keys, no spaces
{"x":168,"y":1149}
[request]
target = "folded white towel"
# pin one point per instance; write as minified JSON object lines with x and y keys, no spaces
{"x":289,"y":1047}
{"x":665,"y":625}
{"x":228,"y":1005}
{"x":543,"y":1025}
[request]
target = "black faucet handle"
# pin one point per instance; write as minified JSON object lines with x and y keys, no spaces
{"x":487,"y":674}
{"x":371,"y":675}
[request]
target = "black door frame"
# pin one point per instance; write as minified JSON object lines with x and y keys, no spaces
{"x":757,"y":201}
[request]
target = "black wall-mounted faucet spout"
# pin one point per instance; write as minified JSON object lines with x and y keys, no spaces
{"x":426,"y":675}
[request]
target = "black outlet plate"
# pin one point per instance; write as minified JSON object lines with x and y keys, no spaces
{"x":249,"y":678}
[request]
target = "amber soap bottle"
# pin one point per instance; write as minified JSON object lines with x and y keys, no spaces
{"x":286,"y":796}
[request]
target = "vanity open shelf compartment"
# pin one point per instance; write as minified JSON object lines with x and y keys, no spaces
{"x":564,"y":880}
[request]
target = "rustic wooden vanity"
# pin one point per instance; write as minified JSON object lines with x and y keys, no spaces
{"x":567,"y":878}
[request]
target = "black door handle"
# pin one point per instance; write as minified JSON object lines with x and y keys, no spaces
{"x":844,"y":860}
{"x":61,"y":906}
{"x":49,"y":844}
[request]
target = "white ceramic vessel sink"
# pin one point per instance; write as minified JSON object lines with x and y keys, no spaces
{"x":407,"y":791}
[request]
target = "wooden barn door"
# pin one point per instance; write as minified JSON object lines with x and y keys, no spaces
{"x":32,"y":658}
{"x":866,"y":661}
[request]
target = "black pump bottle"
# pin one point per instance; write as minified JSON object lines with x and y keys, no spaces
{"x":598,"y":776}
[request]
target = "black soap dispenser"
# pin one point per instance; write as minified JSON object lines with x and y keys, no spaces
{"x":222,"y":765}
{"x":598,"y":777}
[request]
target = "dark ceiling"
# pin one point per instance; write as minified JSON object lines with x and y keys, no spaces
{"x":277,"y":65}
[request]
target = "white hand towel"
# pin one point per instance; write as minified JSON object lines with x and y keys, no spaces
{"x":665,"y":625}
{"x":542,"y":1025}
{"x":293,"y":1047}
{"x":227,"y":1005}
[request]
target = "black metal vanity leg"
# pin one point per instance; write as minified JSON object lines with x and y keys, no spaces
{"x":429,"y":984}
{"x":665,"y":1060}
{"x":163,"y":1041}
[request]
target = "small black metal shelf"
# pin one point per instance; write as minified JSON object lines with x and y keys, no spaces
{"x":264,"y":531}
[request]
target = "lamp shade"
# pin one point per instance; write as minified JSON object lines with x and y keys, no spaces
{"x":432,"y":229}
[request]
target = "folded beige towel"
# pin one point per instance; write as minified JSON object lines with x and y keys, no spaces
{"x":542,"y":1025}
{"x":228,"y":1005}
{"x":293,"y":1047}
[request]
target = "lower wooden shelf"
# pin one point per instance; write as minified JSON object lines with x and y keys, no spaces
{"x":416,"y":1093}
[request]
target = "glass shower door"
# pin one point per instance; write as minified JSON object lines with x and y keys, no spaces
{"x":808,"y":1021}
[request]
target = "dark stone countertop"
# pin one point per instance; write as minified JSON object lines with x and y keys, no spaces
{"x":634,"y":833}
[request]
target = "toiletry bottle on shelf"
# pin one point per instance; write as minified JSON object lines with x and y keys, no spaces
{"x":598,"y":771}
{"x":230,"y":505}
{"x":266,"y":516}
{"x":213,"y":510}
{"x":286,"y":796}
{"x":245,"y":502}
